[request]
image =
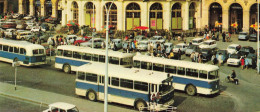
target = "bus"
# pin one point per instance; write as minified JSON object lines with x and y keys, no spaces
{"x":27,"y":54}
{"x":70,"y":57}
{"x":125,"y":86}
{"x":190,"y":77}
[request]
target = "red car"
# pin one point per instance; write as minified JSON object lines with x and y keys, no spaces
{"x":9,"y":25}
{"x":85,"y":39}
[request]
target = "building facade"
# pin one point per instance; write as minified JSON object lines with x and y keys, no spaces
{"x":124,"y":15}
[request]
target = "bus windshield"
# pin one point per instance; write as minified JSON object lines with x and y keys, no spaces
{"x":38,"y":51}
{"x":166,"y":86}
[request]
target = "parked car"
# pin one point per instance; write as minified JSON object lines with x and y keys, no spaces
{"x":45,"y":27}
{"x":233,"y":48}
{"x":206,"y":54}
{"x":125,"y":44}
{"x":97,"y":43}
{"x":7,"y":25}
{"x":2,"y":21}
{"x":142,"y":45}
{"x":30,"y":25}
{"x":35,"y":29}
{"x":180,"y":46}
{"x":21,"y":26}
{"x":156,"y":39}
{"x":16,"y":15}
{"x":250,"y":56}
{"x":224,"y":53}
{"x":252,"y":37}
{"x":245,"y":50}
{"x":8,"y":32}
{"x":243,"y":36}
{"x":83,"y":39}
{"x":211,"y":44}
{"x":61,"y":107}
{"x":72,"y":38}
{"x":234,"y":59}
{"x":168,"y":47}
{"x":139,"y":38}
{"x":197,"y":41}
{"x":27,"y":17}
{"x":191,"y":48}
{"x":23,"y":35}
{"x":117,"y":43}
{"x":52,"y":20}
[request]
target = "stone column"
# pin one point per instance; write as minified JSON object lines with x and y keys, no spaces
{"x":167,"y":15}
{"x":81,"y":13}
{"x":54,"y":8}
{"x":5,"y":6}
{"x":43,"y":12}
{"x":31,"y":8}
{"x":99,"y":15}
{"x":225,"y":19}
{"x":120,"y":17}
{"x":246,"y":21}
{"x":185,"y":16}
{"x":204,"y":15}
{"x":64,"y":13}
{"x":144,"y":14}
{"x":20,"y":2}
{"x":198,"y":15}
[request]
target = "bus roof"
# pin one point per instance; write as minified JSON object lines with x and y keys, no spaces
{"x":177,"y":63}
{"x":23,"y":44}
{"x":95,"y":51}
{"x":125,"y":73}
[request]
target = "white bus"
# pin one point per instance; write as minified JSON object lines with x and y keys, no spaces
{"x":26,"y":53}
{"x":70,"y":57}
{"x":125,"y":85}
{"x":187,"y":76}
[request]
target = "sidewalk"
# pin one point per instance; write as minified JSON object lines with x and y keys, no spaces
{"x":45,"y":98}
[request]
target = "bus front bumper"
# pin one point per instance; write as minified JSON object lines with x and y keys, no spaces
{"x":161,"y":107}
{"x":37,"y":63}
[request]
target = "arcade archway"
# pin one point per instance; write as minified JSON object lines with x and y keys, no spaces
{"x":215,"y":15}
{"x":235,"y":17}
{"x":133,"y":16}
{"x":156,"y":16}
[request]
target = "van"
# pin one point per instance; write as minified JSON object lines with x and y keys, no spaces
{"x":197,"y":41}
{"x":23,"y":35}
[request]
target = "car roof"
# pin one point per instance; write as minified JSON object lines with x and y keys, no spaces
{"x":157,"y":36}
{"x":235,"y":45}
{"x":62,"y":105}
{"x":209,"y":40}
{"x":168,"y":43}
{"x":197,"y":39}
{"x":180,"y":44}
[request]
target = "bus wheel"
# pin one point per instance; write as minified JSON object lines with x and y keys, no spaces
{"x":140,"y":105}
{"x":67,"y":68}
{"x":92,"y":95}
{"x":191,"y":90}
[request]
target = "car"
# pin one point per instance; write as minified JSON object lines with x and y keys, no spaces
{"x":35,"y":29}
{"x":27,"y":17}
{"x":245,"y":50}
{"x":7,"y":25}
{"x":30,"y":25}
{"x":211,"y":44}
{"x":16,"y":15}
{"x":21,"y":26}
{"x":180,"y":46}
{"x":2,"y":21}
{"x":139,"y":38}
{"x":156,"y":39}
{"x":52,"y":20}
{"x":45,"y":36}
{"x":9,"y":32}
{"x":127,"y":43}
{"x":206,"y":54}
{"x":197,"y":41}
{"x":168,"y":47}
{"x":142,"y":45}
{"x":233,"y":48}
{"x":61,"y":107}
{"x":234,"y":59}
{"x":72,"y":38}
{"x":83,"y":39}
{"x":23,"y":35}
{"x":45,"y":27}
{"x":191,"y":48}
{"x":97,"y":43}
{"x":224,"y":53}
{"x":117,"y":43}
{"x":243,"y":36}
{"x":250,"y":56}
{"x":252,"y":37}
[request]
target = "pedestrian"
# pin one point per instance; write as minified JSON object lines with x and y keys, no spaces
{"x":190,"y":43}
{"x":179,"y":54}
{"x":227,"y":37}
{"x":171,"y":55}
{"x":217,"y":36}
{"x":220,"y":61}
{"x":213,"y":59}
{"x":133,"y":46}
{"x":246,"y":62}
{"x":253,"y":62}
{"x":196,"y":57}
{"x":223,"y":36}
{"x":39,"y":40}
{"x":127,"y":49}
{"x":200,"y":58}
{"x":192,"y":56}
{"x":242,"y":61}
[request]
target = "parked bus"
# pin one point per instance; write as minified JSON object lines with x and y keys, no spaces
{"x":187,"y":76}
{"x":125,"y":85}
{"x":26,"y":53}
{"x":70,"y":57}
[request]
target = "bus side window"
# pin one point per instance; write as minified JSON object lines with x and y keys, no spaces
{"x":126,"y":83}
{"x":103,"y":80}
{"x":1,"y":46}
{"x":76,"y":55}
{"x":192,"y":72}
{"x":115,"y":81}
{"x":95,"y":57}
{"x":158,"y":67}
{"x":16,"y":50}
{"x":146,"y":65}
{"x":203,"y":74}
{"x":21,"y":50}
{"x":67,"y":53}
{"x":102,"y":58}
{"x":91,"y":77}
{"x":181,"y":71}
{"x":81,"y":75}
{"x":60,"y":52}
{"x":136,"y":64}
{"x":170,"y":69}
{"x":87,"y":56}
{"x":114,"y":60}
{"x":142,"y":86}
{"x":11,"y":49}
{"x":5,"y":48}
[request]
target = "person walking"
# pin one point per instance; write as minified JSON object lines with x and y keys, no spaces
{"x":179,"y":54}
{"x":220,"y":61}
{"x":200,"y":58}
{"x":242,"y":61}
{"x":253,"y":62}
{"x":223,"y":37}
{"x":192,"y":56}
{"x":246,"y":62}
{"x":217,"y":35}
{"x":213,"y":59}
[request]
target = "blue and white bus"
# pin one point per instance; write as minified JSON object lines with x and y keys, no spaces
{"x":187,"y":76}
{"x":70,"y":57}
{"x":27,"y":54}
{"x":125,"y":86}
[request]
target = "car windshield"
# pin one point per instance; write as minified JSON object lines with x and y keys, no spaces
{"x":234,"y":56}
{"x":245,"y":49}
{"x":206,"y":43}
{"x":231,"y":47}
{"x":195,"y":41}
{"x":178,"y":46}
{"x":242,"y":33}
{"x":204,"y":50}
{"x":191,"y":47}
{"x":153,"y":38}
{"x":73,"y":110}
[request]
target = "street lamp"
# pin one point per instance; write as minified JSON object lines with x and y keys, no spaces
{"x":106,"y":75}
{"x":93,"y":20}
{"x":257,"y":36}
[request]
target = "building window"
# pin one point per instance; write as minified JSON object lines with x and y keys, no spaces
{"x":75,"y":11}
{"x":112,"y":16}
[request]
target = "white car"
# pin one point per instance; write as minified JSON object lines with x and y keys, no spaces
{"x":197,"y":41}
{"x":233,"y":48}
{"x":139,"y":38}
{"x":168,"y":47}
{"x":27,"y":17}
{"x":211,"y":44}
{"x":234,"y":59}
{"x":142,"y":45}
{"x":155,"y":39}
{"x":35,"y":29}
{"x":97,"y":43}
{"x":61,"y":107}
{"x":30,"y":25}
{"x":72,"y":38}
{"x":8,"y":32}
{"x":180,"y":46}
